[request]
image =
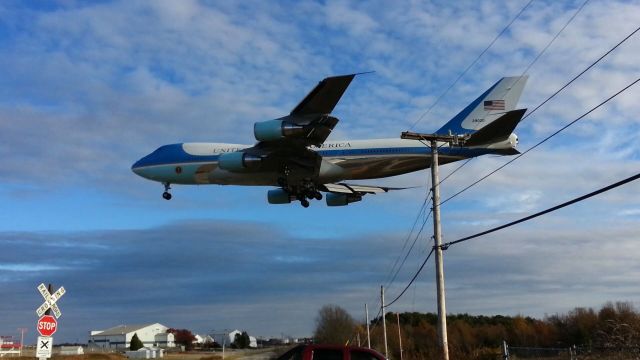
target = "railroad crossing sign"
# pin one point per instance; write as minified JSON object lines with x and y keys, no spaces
{"x":50,"y":300}
{"x":44,"y":347}
{"x":47,"y":325}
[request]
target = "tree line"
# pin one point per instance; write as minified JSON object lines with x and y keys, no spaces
{"x":614,"y":328}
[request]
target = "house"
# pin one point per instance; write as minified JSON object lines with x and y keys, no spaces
{"x":119,"y":337}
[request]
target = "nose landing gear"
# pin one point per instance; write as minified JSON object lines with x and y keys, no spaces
{"x":166,"y":194}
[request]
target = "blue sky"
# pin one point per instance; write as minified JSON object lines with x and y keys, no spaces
{"x":87,"y":88}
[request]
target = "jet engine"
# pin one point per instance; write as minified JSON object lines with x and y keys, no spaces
{"x":239,"y":161}
{"x":272,"y":130}
{"x":334,"y":199}
{"x":279,"y":196}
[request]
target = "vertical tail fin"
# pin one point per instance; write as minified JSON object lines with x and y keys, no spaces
{"x":502,"y":97}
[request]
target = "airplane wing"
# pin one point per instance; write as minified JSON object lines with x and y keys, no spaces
{"x":324,"y":97}
{"x":285,"y":141}
{"x":342,"y":194}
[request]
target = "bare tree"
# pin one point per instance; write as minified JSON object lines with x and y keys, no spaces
{"x":334,"y":325}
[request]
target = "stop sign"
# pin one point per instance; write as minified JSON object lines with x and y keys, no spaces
{"x":47,"y":325}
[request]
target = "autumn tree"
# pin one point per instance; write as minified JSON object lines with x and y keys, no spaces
{"x":334,"y":325}
{"x":183,"y":337}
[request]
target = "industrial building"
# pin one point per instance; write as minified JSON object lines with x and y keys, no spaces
{"x":119,"y":337}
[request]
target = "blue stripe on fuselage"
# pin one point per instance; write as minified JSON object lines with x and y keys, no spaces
{"x":175,"y":154}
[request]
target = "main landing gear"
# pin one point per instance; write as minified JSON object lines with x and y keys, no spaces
{"x":304,"y":192}
{"x":166,"y":194}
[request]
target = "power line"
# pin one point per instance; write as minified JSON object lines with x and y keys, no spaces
{"x":557,"y":207}
{"x":582,"y":72}
{"x":446,"y":245}
{"x":470,"y":65}
{"x":541,"y":142}
{"x":406,"y":241}
{"x":411,"y":248}
{"x":521,"y":220}
{"x":540,"y":105}
{"x":536,"y":59}
{"x":412,"y":279}
{"x":456,"y":170}
{"x":556,"y":36}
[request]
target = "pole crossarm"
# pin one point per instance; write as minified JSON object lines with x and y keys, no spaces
{"x":451,"y":139}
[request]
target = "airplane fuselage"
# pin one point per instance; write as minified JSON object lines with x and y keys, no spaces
{"x":197,"y":163}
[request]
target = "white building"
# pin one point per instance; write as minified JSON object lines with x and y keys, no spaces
{"x":119,"y":337}
{"x":231,"y":337}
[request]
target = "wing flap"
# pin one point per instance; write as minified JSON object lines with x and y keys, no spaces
{"x":342,"y":188}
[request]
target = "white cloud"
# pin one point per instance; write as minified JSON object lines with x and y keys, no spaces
{"x":89,"y":88}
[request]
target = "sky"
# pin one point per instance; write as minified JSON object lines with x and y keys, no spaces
{"x":88,"y":88}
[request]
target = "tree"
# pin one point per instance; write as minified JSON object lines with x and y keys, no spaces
{"x":183,"y":337}
{"x":136,"y":343}
{"x":334,"y":325}
{"x":242,"y":341}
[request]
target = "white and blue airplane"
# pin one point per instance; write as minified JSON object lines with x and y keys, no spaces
{"x":292,"y":153}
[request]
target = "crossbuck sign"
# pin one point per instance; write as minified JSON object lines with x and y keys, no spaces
{"x":50,"y":300}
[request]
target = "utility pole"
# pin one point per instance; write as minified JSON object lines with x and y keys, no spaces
{"x":22,"y":331}
{"x":366,"y":311}
{"x":384,"y":323}
{"x":399,"y":335}
{"x":437,"y":235}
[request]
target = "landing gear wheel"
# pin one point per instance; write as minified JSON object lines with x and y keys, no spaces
{"x":304,"y":203}
{"x":317,"y":195}
{"x":166,"y":195}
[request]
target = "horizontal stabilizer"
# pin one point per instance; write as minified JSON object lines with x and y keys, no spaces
{"x":497,"y":130}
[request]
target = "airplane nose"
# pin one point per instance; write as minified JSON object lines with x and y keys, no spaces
{"x":136,"y":167}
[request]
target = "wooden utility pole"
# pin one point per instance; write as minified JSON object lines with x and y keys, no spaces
{"x":433,"y":140}
{"x":384,"y":323}
{"x":399,"y":334}
{"x":366,"y":311}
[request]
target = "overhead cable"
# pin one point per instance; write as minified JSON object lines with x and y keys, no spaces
{"x":544,"y":102}
{"x":557,"y":207}
{"x":470,"y":65}
{"x":415,"y":239}
{"x":406,"y":241}
{"x":412,"y":279}
{"x":526,"y":218}
{"x":536,"y":59}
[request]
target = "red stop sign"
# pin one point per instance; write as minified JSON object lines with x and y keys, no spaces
{"x":47,"y":325}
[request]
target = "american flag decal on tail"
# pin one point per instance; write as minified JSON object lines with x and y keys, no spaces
{"x":494,"y":105}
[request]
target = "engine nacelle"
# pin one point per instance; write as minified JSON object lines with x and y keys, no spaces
{"x":279,"y":196}
{"x":334,"y":199}
{"x":271,"y":130}
{"x":239,"y":161}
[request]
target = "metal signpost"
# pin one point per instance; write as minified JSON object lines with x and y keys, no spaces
{"x":47,"y":324}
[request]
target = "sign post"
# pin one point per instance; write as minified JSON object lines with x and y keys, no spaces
{"x":47,"y":324}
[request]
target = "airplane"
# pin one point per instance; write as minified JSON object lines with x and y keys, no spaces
{"x":292,"y":152}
